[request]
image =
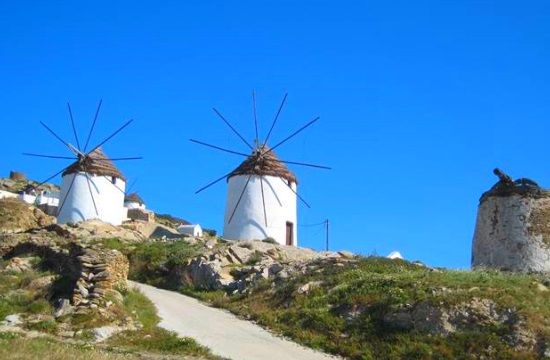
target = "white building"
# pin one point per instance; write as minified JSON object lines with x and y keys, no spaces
{"x":192,"y":230}
{"x":6,"y":194}
{"x":134,"y":201}
{"x":92,"y":188}
{"x":261,"y":200}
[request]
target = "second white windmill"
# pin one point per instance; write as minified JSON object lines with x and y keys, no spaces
{"x":262,"y":191}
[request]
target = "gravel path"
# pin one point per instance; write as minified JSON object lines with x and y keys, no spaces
{"x":225,"y":334}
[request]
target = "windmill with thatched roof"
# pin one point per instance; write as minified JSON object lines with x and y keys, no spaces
{"x":92,"y":186}
{"x":134,"y":201}
{"x":262,"y":191}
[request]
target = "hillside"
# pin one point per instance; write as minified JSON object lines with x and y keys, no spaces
{"x":16,"y":186}
{"x":357,"y":307}
{"x":63,"y":295}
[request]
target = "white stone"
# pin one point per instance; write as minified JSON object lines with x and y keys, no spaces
{"x":12,"y":320}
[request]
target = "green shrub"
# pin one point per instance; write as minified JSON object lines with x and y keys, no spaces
{"x":270,"y":240}
{"x":254,"y":258}
{"x":153,"y":263}
{"x":49,"y":327}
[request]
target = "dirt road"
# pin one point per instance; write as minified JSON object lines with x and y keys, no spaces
{"x":222,"y":332}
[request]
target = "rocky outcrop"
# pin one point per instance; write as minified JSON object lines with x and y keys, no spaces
{"x":473,"y":315}
{"x":95,"y":229}
{"x":94,"y":274}
{"x":236,"y":266}
{"x":16,"y":216}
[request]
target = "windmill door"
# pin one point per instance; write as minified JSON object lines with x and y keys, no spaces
{"x":289,"y":233}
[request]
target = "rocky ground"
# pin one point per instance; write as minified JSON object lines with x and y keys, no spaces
{"x":345,"y":304}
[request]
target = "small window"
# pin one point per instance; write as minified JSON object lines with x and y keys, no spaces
{"x":113,"y":180}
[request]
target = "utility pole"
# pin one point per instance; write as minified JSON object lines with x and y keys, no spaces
{"x":327,"y":233}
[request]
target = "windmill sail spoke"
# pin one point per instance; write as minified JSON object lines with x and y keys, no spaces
{"x":119,"y":189}
{"x":51,"y":177}
{"x":232,"y":128}
{"x":132,"y":185}
{"x":294,"y":133}
{"x":275,"y":120}
{"x":66,"y":195}
{"x":299,"y":197}
{"x":213,"y":183}
{"x":56,"y":136}
{"x":218,"y":148}
{"x":51,"y":156}
{"x":111,"y":136}
{"x":90,"y":189}
{"x":263,"y":198}
{"x":120,"y":159}
{"x":74,"y":128}
{"x":240,"y":198}
{"x":304,"y":164}
{"x":93,"y":125}
{"x":256,"y":140}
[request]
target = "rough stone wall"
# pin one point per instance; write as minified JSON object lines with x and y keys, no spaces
{"x":140,"y":214}
{"x":96,"y":274}
{"x":104,"y":272}
{"x":513,"y":233}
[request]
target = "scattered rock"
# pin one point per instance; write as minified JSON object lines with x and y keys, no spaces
{"x":12,"y":320}
{"x":63,"y":308}
{"x":306,"y":288}
{"x":103,"y":333}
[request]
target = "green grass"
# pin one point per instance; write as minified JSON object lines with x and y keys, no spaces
{"x":13,"y":347}
{"x":16,"y":298}
{"x":154,"y":263}
{"x":141,"y":308}
{"x":374,"y":287}
{"x":152,"y":338}
{"x":158,"y":340}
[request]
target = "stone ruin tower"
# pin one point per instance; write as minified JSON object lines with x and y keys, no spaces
{"x":513,"y":227}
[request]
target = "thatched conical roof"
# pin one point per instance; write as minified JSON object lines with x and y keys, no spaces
{"x":134,"y":197}
{"x":264,"y":162}
{"x":96,"y":163}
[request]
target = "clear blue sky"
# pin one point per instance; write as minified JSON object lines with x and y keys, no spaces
{"x":419,"y":101}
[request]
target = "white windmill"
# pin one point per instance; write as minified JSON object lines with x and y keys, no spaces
{"x":262,"y":191}
{"x":92,"y":187}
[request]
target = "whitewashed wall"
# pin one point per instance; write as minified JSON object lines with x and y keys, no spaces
{"x":28,"y":198}
{"x":79,"y":206}
{"x":7,"y":194}
{"x":193,"y":230}
{"x":50,"y":198}
{"x":504,"y":237}
{"x":134,"y":205}
{"x":248,"y":222}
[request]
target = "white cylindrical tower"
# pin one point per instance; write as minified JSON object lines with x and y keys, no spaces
{"x":513,"y":228}
{"x":245,"y":217}
{"x":94,"y":180}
